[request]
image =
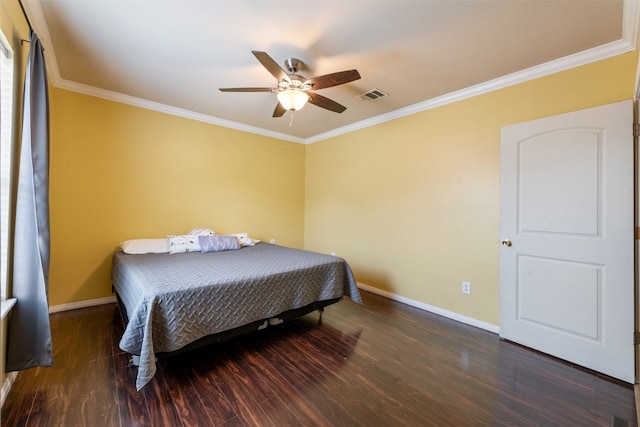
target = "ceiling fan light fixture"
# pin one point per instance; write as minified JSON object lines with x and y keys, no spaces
{"x":292,"y":100}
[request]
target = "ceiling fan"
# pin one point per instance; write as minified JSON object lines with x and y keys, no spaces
{"x":294,"y":91}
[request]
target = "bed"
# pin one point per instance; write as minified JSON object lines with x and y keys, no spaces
{"x":171,"y":302}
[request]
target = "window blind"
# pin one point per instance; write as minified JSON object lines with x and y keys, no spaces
{"x":6,"y":121}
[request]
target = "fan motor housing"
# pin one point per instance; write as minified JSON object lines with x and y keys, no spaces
{"x":293,"y":65}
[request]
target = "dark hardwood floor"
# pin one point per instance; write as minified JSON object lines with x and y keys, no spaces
{"x":379,"y":364}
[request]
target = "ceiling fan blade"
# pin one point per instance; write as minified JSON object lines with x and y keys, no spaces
{"x":245,"y":89}
{"x":326,"y":103}
{"x":333,"y":79}
{"x":279,"y":110}
{"x":271,"y":66}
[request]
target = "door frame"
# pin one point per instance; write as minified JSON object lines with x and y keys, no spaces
{"x":636,"y":257}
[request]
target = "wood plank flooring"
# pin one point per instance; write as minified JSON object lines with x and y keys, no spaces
{"x":378,"y":364}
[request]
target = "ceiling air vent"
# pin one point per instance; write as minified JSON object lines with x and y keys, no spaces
{"x":372,"y":95}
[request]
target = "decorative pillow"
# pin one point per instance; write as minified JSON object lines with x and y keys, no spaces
{"x":218,"y":243}
{"x":245,"y":240}
{"x":145,"y":246}
{"x":202,"y":232}
{"x":183,"y":243}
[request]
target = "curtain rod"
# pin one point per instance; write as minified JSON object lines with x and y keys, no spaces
{"x":24,"y":12}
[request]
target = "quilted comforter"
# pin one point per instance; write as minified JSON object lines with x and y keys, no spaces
{"x":174,"y":299}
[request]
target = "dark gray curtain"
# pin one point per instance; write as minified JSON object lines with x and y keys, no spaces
{"x":29,"y":334}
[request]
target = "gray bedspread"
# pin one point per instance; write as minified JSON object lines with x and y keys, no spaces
{"x":175,"y":299}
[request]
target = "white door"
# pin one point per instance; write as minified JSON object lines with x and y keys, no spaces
{"x":567,"y":230}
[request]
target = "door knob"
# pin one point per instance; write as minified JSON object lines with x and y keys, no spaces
{"x":506,"y":242}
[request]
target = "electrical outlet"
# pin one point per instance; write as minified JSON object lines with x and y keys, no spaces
{"x":272,"y":241}
{"x":466,"y":287}
{"x":333,"y":254}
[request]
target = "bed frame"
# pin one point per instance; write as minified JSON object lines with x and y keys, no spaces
{"x":234,"y":332}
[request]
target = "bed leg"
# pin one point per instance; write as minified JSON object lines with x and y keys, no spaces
{"x":321,"y":310}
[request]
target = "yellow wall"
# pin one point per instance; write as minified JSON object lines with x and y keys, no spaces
{"x":15,"y":28}
{"x":120,"y":172}
{"x":413,"y":204}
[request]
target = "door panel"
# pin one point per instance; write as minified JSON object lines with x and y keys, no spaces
{"x":567,"y":207}
{"x":560,"y":182}
{"x":549,"y":288}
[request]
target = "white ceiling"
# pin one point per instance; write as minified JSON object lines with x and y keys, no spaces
{"x":173,"y":55}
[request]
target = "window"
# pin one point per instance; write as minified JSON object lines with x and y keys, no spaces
{"x":6,"y":120}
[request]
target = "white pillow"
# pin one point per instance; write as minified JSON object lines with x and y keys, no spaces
{"x":183,"y":243}
{"x":245,"y":240}
{"x":145,"y":246}
{"x":202,"y":232}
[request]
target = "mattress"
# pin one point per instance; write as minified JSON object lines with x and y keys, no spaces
{"x":172,"y":300}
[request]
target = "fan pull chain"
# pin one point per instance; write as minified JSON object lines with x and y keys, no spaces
{"x":291,"y":120}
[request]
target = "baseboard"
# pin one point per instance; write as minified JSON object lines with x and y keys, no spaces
{"x":8,"y":382}
{"x":81,"y":304}
{"x":426,"y":307}
{"x":432,"y":309}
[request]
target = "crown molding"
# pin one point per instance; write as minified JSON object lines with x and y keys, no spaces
{"x":631,"y":18}
{"x":168,"y":109}
{"x":551,"y":67}
{"x":582,"y":58}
